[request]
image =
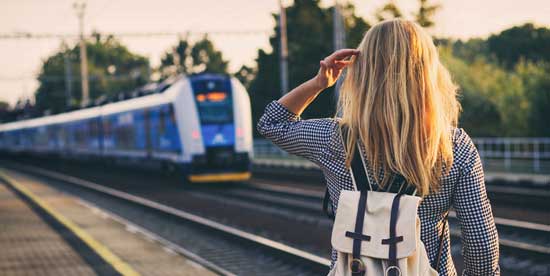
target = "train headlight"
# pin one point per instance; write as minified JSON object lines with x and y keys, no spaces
{"x":195,"y":134}
{"x":239,"y":132}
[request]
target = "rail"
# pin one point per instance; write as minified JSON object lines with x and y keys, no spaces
{"x":498,"y":154}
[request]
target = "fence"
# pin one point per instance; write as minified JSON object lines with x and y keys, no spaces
{"x":498,"y":154}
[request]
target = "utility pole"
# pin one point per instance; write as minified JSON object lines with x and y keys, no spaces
{"x":339,"y":39}
{"x":80,"y":8}
{"x":68,"y":75}
{"x":283,"y":49}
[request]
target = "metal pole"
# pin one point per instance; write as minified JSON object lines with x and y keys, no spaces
{"x":339,"y":39}
{"x":283,"y":49}
{"x":68,"y":76}
{"x":536,"y":156}
{"x":80,"y":11}
{"x":507,"y":155}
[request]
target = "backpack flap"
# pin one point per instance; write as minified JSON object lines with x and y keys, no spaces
{"x":376,"y":226}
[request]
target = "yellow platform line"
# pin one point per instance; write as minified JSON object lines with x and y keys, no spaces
{"x":107,"y":255}
{"x":220,"y":177}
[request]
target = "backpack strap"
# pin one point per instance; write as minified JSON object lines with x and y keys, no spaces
{"x":440,"y":247}
{"x":359,"y":173}
{"x":326,"y":202}
{"x":358,"y":170}
{"x":357,"y":265}
{"x":393,"y":269}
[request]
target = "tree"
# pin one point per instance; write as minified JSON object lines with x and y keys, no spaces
{"x":389,"y":11}
{"x":206,"y":58}
{"x":309,"y":40}
{"x":495,"y":101}
{"x":4,"y":106}
{"x":245,"y":75}
{"x":526,"y":41}
{"x":537,"y":86}
{"x":425,"y":14}
{"x":175,"y":61}
{"x":510,"y":72}
{"x":4,"y":111}
{"x":112,"y":69}
{"x":188,"y":59}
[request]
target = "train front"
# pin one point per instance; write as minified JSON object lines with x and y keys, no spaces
{"x":224,"y":129}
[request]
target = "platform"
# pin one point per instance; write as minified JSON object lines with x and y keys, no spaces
{"x":46,"y":232}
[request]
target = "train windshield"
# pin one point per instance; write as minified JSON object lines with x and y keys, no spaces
{"x":214,"y":102}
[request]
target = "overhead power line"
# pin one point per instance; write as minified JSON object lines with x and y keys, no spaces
{"x":29,"y":35}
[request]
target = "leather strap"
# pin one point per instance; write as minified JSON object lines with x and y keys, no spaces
{"x":440,"y":249}
{"x":445,"y":225}
{"x":358,"y":235}
{"x":393,"y":239}
{"x":326,"y":202}
{"x":359,"y":173}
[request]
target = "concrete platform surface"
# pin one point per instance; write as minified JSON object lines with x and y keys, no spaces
{"x":33,"y":242}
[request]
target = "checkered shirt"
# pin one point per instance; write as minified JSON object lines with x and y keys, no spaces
{"x":319,"y":141}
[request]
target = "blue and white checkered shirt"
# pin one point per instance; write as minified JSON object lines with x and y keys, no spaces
{"x":319,"y":141}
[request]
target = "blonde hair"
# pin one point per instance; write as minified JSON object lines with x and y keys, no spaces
{"x":400,"y":102}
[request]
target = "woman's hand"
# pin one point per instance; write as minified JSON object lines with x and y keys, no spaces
{"x":332,"y":66}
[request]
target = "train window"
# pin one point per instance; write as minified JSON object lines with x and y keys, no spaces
{"x":92,"y":128}
{"x":107,"y":127}
{"x":81,"y":134}
{"x":214,"y":107}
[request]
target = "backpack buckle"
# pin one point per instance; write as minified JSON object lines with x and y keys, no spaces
{"x":356,"y":265}
{"x":395,"y":269}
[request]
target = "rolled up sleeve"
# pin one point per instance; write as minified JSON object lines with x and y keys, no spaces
{"x":304,"y":138}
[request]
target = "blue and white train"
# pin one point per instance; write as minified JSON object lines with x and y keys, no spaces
{"x":200,"y":124}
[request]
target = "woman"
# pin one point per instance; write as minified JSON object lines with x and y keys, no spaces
{"x":399,"y":103}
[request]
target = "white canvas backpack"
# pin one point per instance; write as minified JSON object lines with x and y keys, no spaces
{"x":378,"y":232}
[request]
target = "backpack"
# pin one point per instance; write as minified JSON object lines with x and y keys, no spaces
{"x":378,"y":232}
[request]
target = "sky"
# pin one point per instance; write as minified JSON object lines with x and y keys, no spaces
{"x":20,"y":60}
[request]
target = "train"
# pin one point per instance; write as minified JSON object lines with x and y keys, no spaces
{"x":199,"y":125}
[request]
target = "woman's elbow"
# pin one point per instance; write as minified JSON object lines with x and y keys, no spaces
{"x":262,"y":128}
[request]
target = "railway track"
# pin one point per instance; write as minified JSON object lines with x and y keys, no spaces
{"x":518,"y":235}
{"x":519,"y":193}
{"x":522,"y":243}
{"x":234,"y":251}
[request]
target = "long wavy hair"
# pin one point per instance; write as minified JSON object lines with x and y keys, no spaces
{"x":400,"y":102}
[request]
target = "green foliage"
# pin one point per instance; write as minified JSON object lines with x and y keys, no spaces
{"x":526,"y":41}
{"x":536,"y":80}
{"x":206,"y":58}
{"x":388,"y":11}
{"x":112,"y":68}
{"x":501,"y":102}
{"x":425,"y":13}
{"x":246,"y":75}
{"x":188,"y":59}
{"x":4,"y":106}
{"x":310,"y":35}
{"x":504,"y":81}
{"x":469,"y":50}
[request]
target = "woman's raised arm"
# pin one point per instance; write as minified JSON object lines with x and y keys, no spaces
{"x":281,"y":121}
{"x":330,"y":69}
